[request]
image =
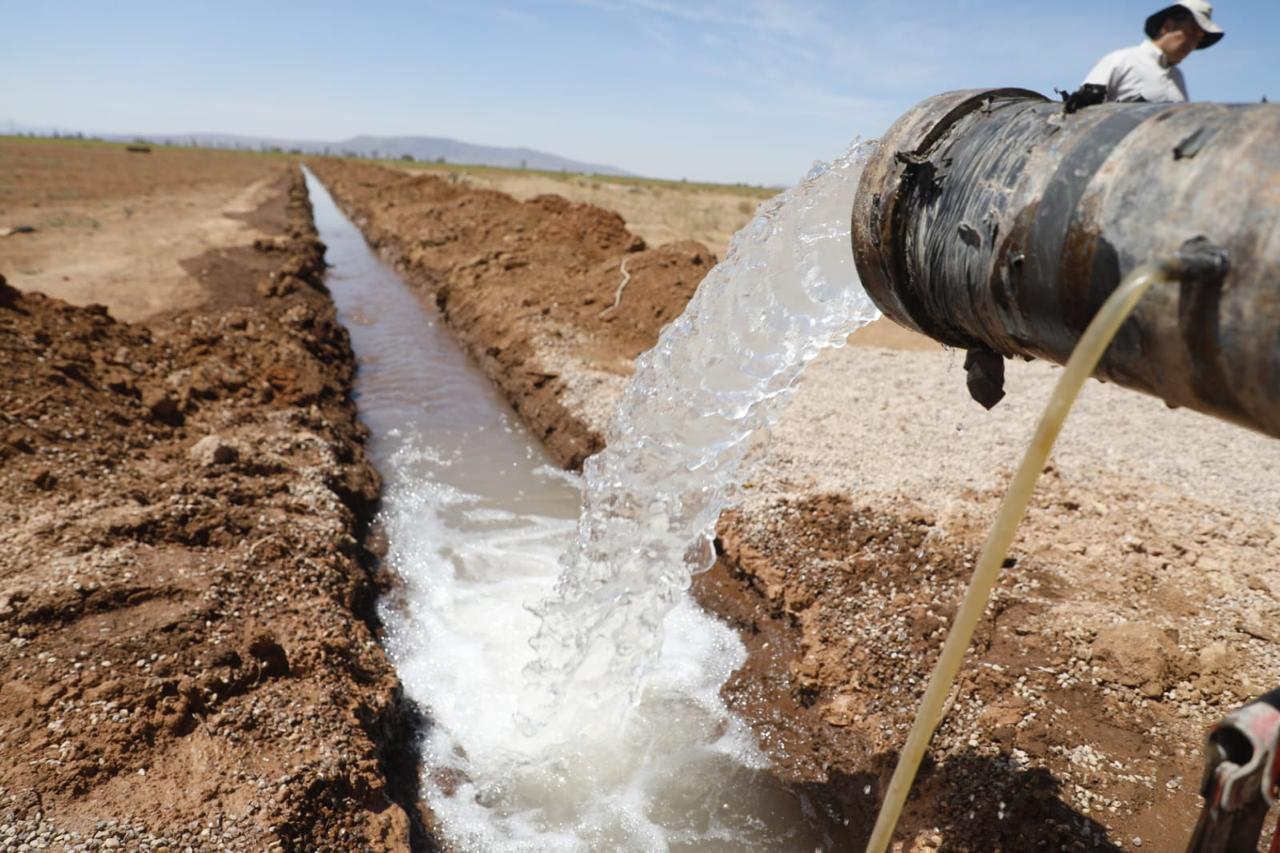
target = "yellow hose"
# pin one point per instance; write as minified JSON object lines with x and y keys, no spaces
{"x":1084,"y":359}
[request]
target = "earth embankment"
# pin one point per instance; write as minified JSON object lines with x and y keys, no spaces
{"x":1135,"y":606}
{"x":188,"y":648}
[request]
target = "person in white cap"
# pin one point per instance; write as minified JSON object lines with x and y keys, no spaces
{"x":1149,"y":71}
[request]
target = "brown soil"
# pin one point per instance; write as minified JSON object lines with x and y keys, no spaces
{"x":1078,"y":718}
{"x":188,"y":653}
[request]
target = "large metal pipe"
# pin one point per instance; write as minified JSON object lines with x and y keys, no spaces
{"x":997,"y":222}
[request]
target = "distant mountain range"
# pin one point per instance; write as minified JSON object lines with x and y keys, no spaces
{"x":422,"y":148}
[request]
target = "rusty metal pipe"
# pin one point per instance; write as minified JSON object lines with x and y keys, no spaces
{"x":994,"y":221}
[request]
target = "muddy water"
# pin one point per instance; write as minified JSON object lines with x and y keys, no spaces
{"x":477,"y":520}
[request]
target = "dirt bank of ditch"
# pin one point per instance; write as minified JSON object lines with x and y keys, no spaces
{"x":1137,"y":606}
{"x":188,"y":653}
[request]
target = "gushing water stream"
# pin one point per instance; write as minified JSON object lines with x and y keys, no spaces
{"x":572,"y":685}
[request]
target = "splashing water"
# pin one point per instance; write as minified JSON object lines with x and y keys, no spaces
{"x":613,"y":673}
{"x":679,"y":444}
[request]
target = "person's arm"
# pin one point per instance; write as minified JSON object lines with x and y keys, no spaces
{"x":1098,"y":87}
{"x":1086,"y":96}
{"x":1105,"y":74}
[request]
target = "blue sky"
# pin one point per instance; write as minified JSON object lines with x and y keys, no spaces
{"x":752,"y":90}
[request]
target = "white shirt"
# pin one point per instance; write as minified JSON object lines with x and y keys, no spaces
{"x":1137,"y":73}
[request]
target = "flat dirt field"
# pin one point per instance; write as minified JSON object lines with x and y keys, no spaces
{"x":120,"y":228}
{"x":1138,"y":605}
{"x":187,"y":647}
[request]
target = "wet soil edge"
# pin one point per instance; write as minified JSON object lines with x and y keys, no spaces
{"x":398,"y":724}
{"x":397,"y":732}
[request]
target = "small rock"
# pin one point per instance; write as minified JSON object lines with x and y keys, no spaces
{"x":1255,"y":628}
{"x":212,"y":450}
{"x":840,"y":711}
{"x":162,"y":405}
{"x":1215,"y":658}
{"x":1135,"y":654}
{"x":299,"y":316}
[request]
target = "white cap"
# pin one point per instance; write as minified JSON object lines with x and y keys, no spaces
{"x":1201,"y":10}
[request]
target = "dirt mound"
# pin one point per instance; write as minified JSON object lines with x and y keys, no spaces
{"x":553,"y":299}
{"x":861,"y":599}
{"x":186,"y":635}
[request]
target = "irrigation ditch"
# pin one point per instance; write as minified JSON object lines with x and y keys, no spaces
{"x":1078,"y":716}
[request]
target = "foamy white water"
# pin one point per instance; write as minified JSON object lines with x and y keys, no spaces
{"x":612,"y":736}
{"x":679,"y":444}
